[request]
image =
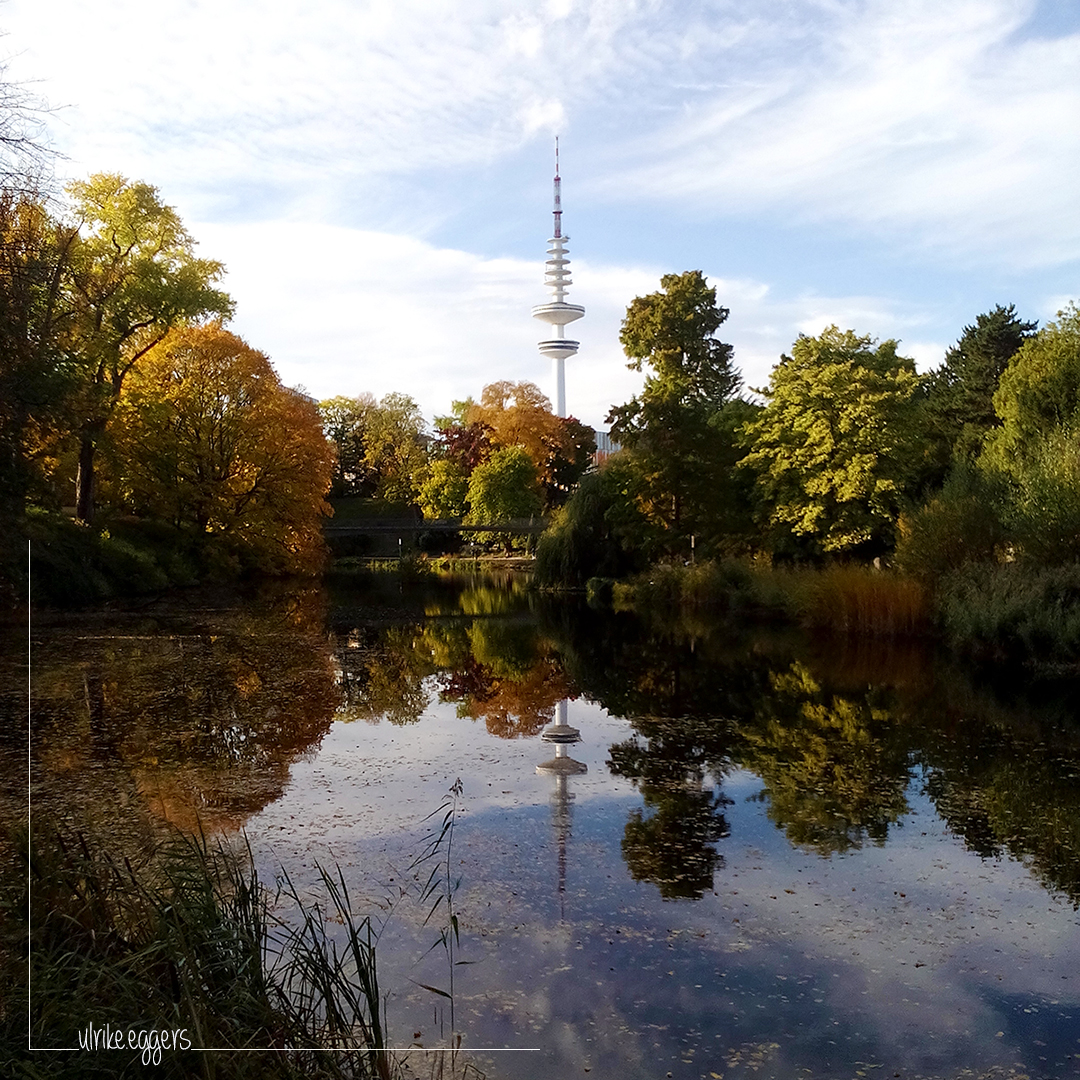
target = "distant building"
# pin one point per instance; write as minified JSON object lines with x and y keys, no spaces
{"x":605,"y":447}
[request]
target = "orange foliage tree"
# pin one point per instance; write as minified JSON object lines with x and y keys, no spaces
{"x":518,"y":414}
{"x":206,"y":438}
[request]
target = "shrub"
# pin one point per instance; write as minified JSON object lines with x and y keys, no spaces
{"x":1013,"y":610}
{"x":961,"y":524}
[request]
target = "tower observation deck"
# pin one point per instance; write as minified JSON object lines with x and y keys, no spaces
{"x":558,"y":313}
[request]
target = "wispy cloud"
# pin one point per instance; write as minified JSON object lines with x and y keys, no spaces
{"x":935,"y":121}
{"x":942,"y":126}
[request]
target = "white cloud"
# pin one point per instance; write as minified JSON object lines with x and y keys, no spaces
{"x":343,"y":311}
{"x":937,"y":125}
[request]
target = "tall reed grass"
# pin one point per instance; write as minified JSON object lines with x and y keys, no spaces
{"x":857,"y":600}
{"x":187,"y":940}
{"x":844,"y":599}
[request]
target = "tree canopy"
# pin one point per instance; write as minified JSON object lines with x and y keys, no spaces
{"x":834,"y":448}
{"x":1039,"y":392}
{"x":206,"y":438}
{"x":381,"y":445}
{"x":960,"y":394}
{"x":134,"y":276}
{"x":34,"y":321}
{"x":503,"y":488}
{"x":519,"y":414}
{"x":671,"y":427}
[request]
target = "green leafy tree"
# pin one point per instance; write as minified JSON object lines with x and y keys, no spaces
{"x":1038,"y":393}
{"x":444,"y":492}
{"x":345,"y":421}
{"x":396,"y":454}
{"x":960,"y":394}
{"x":134,"y":277}
{"x":505,"y":487}
{"x":382,"y":446}
{"x":598,"y":533}
{"x":1036,"y":449}
{"x":836,"y":447}
{"x":668,"y":427}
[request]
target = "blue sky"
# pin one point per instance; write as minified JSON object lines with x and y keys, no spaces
{"x":377,"y":175}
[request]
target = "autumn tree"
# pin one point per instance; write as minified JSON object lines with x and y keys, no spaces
{"x":457,"y":439}
{"x":835,"y":447}
{"x":519,"y":414}
{"x":34,"y":316}
{"x":670,"y":428}
{"x":206,"y":438}
{"x":134,"y":276}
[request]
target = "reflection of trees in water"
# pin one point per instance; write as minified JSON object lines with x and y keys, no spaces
{"x":1005,"y":785}
{"x":382,"y":673}
{"x":195,"y":717}
{"x":833,"y":768}
{"x":668,"y":761}
{"x":834,"y":734}
{"x":496,"y":669}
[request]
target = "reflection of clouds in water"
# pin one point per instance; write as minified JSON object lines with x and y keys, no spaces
{"x":909,"y":952}
{"x":826,"y":961}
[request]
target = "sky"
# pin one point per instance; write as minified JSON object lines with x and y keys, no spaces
{"x":376,"y":174}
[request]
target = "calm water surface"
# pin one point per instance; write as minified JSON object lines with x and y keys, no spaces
{"x":771,"y":857}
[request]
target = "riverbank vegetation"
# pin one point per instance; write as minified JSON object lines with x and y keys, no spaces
{"x":852,"y":492}
{"x":186,"y":943}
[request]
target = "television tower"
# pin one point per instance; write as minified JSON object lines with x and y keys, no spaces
{"x":558,"y":313}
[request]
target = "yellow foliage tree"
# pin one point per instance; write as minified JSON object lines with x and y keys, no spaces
{"x":206,"y":438}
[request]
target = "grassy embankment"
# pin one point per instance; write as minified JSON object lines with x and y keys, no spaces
{"x":184,"y":942}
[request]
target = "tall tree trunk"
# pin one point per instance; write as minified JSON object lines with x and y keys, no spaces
{"x":84,"y":479}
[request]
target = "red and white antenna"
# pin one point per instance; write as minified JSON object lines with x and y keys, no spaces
{"x":558,"y":192}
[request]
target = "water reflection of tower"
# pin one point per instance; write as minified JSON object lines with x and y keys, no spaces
{"x":562,"y":766}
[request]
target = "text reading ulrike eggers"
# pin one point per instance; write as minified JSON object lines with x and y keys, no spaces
{"x":151,"y":1042}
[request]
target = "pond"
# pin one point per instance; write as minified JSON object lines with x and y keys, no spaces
{"x":761,"y":855}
